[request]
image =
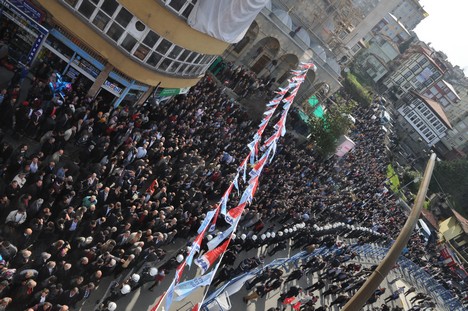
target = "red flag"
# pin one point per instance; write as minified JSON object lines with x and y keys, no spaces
{"x":205,"y":261}
{"x":195,"y":307}
{"x":234,"y":213}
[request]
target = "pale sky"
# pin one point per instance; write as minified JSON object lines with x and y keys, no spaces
{"x":446,"y":28}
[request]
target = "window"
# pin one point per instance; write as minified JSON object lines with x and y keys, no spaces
{"x":165,"y":64}
{"x":422,"y":61}
{"x":114,"y":21}
{"x":109,"y":6}
{"x":177,"y":4}
{"x":415,"y":68}
{"x":451,"y":96}
{"x":101,"y":20}
{"x":87,"y":8}
{"x":154,"y":59}
{"x":184,"y":55}
{"x":141,"y":51}
{"x":163,"y":46}
{"x":151,"y":39}
{"x":181,"y":7}
{"x":128,"y":43}
{"x":175,"y":52}
{"x":407,"y":74}
{"x":124,"y":17}
{"x":115,"y":31}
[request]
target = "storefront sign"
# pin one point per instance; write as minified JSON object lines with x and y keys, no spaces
{"x":24,"y":17}
{"x":29,"y":9}
{"x":35,"y":47}
{"x":86,"y":66}
{"x":72,"y":73}
{"x":113,"y":87}
{"x":173,"y":92}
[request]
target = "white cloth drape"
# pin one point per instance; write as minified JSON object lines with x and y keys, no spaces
{"x":226,"y":20}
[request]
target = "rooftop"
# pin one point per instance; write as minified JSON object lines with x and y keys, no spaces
{"x":436,"y":108}
{"x":451,"y":88}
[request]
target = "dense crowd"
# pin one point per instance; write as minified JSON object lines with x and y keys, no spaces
{"x":241,"y":80}
{"x":92,"y":191}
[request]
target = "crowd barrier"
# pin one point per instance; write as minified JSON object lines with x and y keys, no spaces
{"x":407,"y":270}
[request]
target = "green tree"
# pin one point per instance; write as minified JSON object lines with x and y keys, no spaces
{"x":452,"y":177}
{"x":408,"y":178}
{"x":356,"y":90}
{"x":326,"y":131}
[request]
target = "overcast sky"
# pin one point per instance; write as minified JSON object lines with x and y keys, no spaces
{"x":446,"y":28}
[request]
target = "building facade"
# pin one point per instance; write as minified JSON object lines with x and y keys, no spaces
{"x":415,"y":70}
{"x":410,"y":13}
{"x":277,"y":41}
{"x":443,"y":92}
{"x":375,"y":60}
{"x":122,"y":48}
{"x":425,"y":117}
{"x":391,"y":28}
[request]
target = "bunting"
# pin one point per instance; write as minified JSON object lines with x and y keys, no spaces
{"x":235,"y":213}
{"x":205,"y":261}
{"x":206,"y":221}
{"x":220,"y":237}
{"x":184,"y":289}
{"x":232,"y":216}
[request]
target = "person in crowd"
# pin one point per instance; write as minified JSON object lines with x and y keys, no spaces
{"x":98,"y":190}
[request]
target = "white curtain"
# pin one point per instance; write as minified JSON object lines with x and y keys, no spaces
{"x":226,"y":20}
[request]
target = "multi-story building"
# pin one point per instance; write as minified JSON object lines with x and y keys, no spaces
{"x":457,"y":137}
{"x":442,"y":92}
{"x":117,"y":48}
{"x":410,"y":13}
{"x":417,"y":70}
{"x":392,"y":28}
{"x":374,"y":61}
{"x":425,"y":117}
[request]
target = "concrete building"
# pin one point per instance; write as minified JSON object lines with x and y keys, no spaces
{"x":375,"y":60}
{"x":366,"y":24}
{"x":416,"y":70}
{"x":391,"y":28}
{"x":457,"y":137}
{"x":118,"y":49}
{"x":443,"y":92}
{"x":425,"y":118}
{"x":410,"y":13}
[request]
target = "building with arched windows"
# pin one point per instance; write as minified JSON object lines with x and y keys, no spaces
{"x":118,"y":49}
{"x":277,"y":41}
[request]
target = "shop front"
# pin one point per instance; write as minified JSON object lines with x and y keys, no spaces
{"x":20,"y":29}
{"x":77,"y":65}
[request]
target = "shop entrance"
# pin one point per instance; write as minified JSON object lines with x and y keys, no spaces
{"x":108,"y":98}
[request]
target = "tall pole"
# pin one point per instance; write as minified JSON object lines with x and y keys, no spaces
{"x":366,"y":291}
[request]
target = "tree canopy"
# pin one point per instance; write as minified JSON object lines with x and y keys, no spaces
{"x":452,"y":176}
{"x":326,"y":131}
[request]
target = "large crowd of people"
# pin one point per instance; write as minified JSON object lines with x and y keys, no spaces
{"x":93,"y":191}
